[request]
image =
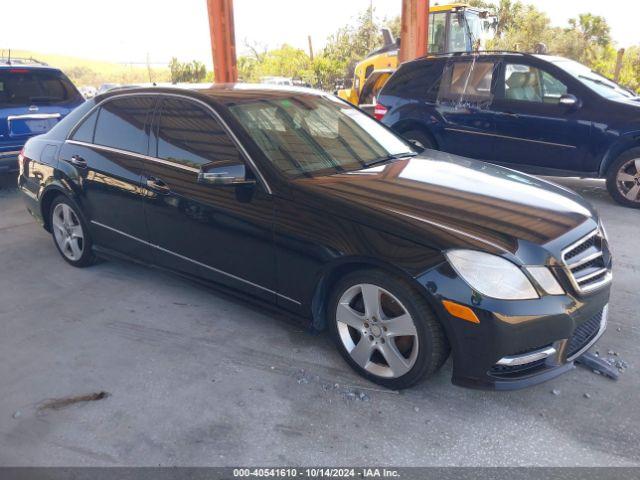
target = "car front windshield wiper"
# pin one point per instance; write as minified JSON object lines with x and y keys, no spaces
{"x":388,"y":158}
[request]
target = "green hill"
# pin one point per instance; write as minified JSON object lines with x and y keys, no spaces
{"x":93,"y":72}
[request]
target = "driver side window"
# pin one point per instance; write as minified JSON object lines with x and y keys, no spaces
{"x":530,"y":84}
{"x":189,"y":135}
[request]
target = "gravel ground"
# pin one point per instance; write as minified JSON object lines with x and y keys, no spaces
{"x":193,"y":377}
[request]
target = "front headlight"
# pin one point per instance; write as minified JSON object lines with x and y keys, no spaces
{"x":491,"y":275}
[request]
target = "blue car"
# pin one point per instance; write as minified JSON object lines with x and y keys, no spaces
{"x":33,"y":98}
{"x":535,"y":113}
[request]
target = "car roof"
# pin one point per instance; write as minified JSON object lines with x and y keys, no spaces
{"x":224,"y":93}
{"x":26,"y":66}
{"x":489,"y":54}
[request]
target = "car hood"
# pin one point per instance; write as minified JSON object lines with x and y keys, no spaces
{"x":445,"y":201}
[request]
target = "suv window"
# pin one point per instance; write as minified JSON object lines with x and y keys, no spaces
{"x":467,"y":81}
{"x":530,"y":84}
{"x":121,"y":123}
{"x":23,"y":86}
{"x":189,"y":135}
{"x":416,"y":80}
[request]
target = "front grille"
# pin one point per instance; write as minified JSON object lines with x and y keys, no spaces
{"x":587,"y":262}
{"x":585,"y":333}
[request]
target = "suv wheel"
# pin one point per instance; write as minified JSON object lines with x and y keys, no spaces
{"x":70,"y":233}
{"x":420,"y":139}
{"x":385,"y":330}
{"x":623,"y":178}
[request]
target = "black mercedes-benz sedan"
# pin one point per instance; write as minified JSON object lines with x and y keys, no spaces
{"x":294,"y":198}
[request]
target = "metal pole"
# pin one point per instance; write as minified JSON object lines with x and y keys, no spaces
{"x":310,"y":47}
{"x":223,"y":40}
{"x":616,"y":75}
{"x":414,"y":29}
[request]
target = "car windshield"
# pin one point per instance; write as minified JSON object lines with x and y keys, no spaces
{"x":311,"y":135}
{"x":20,"y":86}
{"x":596,"y":82}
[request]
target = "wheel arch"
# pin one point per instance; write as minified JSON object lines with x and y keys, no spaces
{"x":46,"y":200}
{"x":626,"y":143}
{"x":407,"y":125}
{"x":336,"y":270}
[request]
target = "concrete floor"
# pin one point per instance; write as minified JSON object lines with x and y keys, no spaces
{"x":198,"y":378}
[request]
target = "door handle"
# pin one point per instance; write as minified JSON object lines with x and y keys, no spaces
{"x":511,"y":114}
{"x":78,"y":161}
{"x":157,"y":185}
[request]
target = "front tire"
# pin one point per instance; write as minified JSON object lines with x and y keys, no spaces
{"x":623,"y":179}
{"x":70,"y":233}
{"x":385,"y":329}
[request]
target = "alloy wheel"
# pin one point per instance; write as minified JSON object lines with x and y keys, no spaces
{"x":377,"y":330}
{"x":67,"y":231}
{"x":628,"y":180}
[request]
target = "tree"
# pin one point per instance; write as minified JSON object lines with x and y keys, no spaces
{"x":190,"y":72}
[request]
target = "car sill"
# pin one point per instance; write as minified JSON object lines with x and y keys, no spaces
{"x":222,"y":272}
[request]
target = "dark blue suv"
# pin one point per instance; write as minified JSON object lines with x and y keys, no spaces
{"x":33,"y":98}
{"x":536,"y":113}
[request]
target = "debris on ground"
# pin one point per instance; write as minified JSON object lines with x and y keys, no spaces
{"x":586,"y":395}
{"x":17,"y":414}
{"x":610,"y":366}
{"x":555,"y":391}
{"x":348,"y":392}
{"x":60,"y":403}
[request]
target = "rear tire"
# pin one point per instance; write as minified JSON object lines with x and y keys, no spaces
{"x":70,"y":233}
{"x":623,"y":178}
{"x":385,"y":329}
{"x":420,"y":139}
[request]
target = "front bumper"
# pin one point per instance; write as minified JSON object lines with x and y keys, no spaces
{"x":517,"y":343}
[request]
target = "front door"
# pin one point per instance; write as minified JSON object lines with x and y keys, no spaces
{"x":533,"y":130}
{"x":218,"y":232}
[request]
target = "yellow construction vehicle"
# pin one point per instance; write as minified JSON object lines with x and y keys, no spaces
{"x":455,"y":27}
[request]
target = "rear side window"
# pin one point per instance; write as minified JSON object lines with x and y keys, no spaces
{"x":190,"y":136}
{"x":417,"y":80}
{"x":467,"y":82}
{"x":22,"y":86}
{"x":84,"y":132}
{"x":121,"y":123}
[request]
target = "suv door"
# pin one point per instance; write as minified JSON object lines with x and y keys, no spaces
{"x":465,"y":107}
{"x":220,"y":232}
{"x":532,"y":128}
{"x":103,"y":157}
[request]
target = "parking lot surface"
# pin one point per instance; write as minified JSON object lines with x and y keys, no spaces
{"x":195,"y":377}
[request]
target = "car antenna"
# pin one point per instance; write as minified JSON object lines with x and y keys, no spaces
{"x":9,"y":58}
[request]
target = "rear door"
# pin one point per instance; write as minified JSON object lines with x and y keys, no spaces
{"x":104,"y":158}
{"x":532,"y":128}
{"x":465,"y":107}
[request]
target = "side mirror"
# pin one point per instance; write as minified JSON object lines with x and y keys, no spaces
{"x":569,"y":100}
{"x":232,"y":174}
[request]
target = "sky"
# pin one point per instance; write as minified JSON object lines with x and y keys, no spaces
{"x":127,"y":31}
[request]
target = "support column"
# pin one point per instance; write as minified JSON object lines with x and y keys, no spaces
{"x":223,"y":40}
{"x":414,"y":29}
